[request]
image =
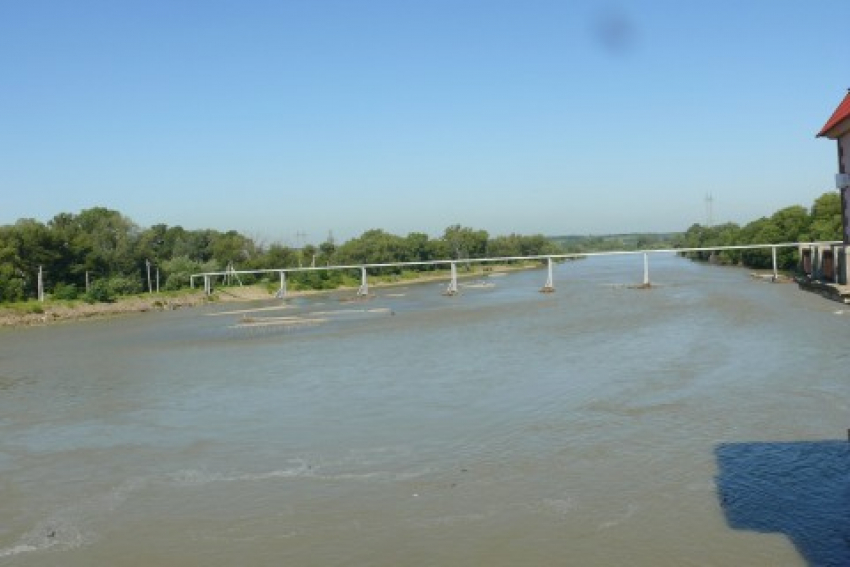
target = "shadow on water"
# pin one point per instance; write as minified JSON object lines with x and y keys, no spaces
{"x":801,"y":489}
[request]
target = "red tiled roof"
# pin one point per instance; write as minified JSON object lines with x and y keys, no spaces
{"x":841,"y":114}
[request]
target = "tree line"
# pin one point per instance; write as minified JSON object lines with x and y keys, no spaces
{"x":611,"y":242}
{"x":99,"y":254}
{"x":821,"y":222}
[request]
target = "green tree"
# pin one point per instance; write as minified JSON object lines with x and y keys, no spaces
{"x":25,"y":247}
{"x":194,"y":244}
{"x":327,"y":251}
{"x":826,"y":217}
{"x":505,"y":246}
{"x":792,"y":223}
{"x":276,"y":256}
{"x":13,"y":279}
{"x":375,"y":247}
{"x":157,"y":243}
{"x":232,"y":247}
{"x":308,"y":255}
{"x":107,"y":240}
{"x":419,"y":248}
{"x":73,"y":246}
{"x":465,"y":242}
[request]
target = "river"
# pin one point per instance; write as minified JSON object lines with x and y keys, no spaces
{"x":701,"y":422}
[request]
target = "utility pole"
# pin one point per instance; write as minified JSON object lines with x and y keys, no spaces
{"x":40,"y":284}
{"x":148,"y":264}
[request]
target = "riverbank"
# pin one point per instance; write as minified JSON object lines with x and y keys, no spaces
{"x":35,"y":313}
{"x":831,"y":291}
{"x":44,"y":313}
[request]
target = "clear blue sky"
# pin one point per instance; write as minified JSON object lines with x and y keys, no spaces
{"x":282,"y":116}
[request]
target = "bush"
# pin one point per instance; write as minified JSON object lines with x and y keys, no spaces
{"x":65,"y":291}
{"x":179,"y":269}
{"x":318,"y":280}
{"x":12,"y":285}
{"x":35,"y":308}
{"x":122,"y":285}
{"x":99,"y":292}
{"x":12,"y":289}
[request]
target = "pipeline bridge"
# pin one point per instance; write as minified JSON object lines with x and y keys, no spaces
{"x":452,"y":286}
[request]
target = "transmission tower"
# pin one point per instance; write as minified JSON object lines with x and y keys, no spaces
{"x":709,"y":210}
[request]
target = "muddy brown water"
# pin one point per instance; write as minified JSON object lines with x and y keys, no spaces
{"x":702,"y":422}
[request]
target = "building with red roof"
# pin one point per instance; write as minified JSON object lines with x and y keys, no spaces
{"x":826,"y":264}
{"x":839,"y":123}
{"x":838,"y":128}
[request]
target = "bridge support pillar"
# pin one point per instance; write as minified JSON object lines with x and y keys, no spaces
{"x":773,"y":255}
{"x":549,"y":286}
{"x":207,"y":285}
{"x":646,"y":270}
{"x":281,"y":292}
{"x":364,"y":283}
{"x":451,"y":289}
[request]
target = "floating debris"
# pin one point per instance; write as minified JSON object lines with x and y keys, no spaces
{"x":254,"y":310}
{"x":251,"y":322}
{"x":478,"y":284}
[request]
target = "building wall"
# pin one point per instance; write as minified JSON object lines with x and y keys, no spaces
{"x":844,"y":167}
{"x":825,"y":262}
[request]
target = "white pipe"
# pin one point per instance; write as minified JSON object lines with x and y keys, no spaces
{"x":520,"y":258}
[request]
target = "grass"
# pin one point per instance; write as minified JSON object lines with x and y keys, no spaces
{"x":26,"y":307}
{"x":159,"y":299}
